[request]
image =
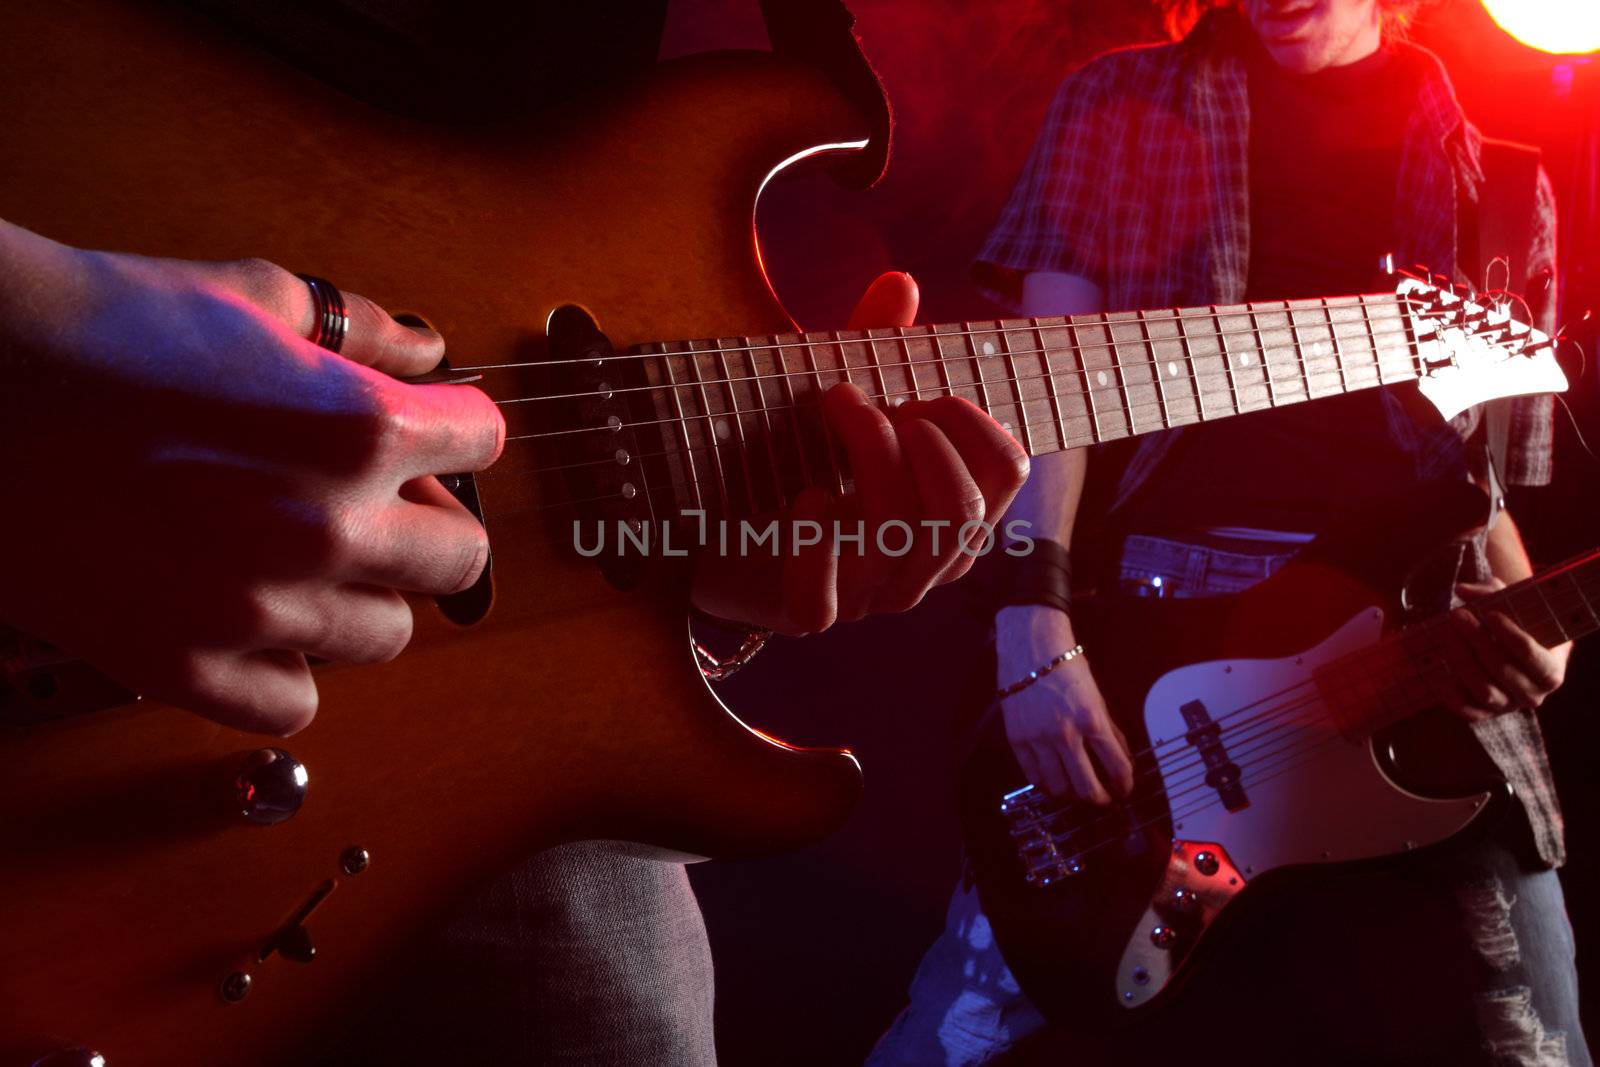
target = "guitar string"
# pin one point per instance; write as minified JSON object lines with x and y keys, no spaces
{"x":1122,"y":390}
{"x":1352,"y":382}
{"x":683,"y":487}
{"x":1367,"y":338}
{"x":1271,"y":732}
{"x":1582,"y":582}
{"x":1402,"y":304}
{"x":1278,"y":735}
{"x":1427,"y":630}
{"x":999,"y":381}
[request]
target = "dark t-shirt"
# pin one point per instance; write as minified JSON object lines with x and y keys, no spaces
{"x":1323,"y":165}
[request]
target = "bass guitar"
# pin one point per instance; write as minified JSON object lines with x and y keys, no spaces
{"x":179,"y":892}
{"x":1275,"y":732}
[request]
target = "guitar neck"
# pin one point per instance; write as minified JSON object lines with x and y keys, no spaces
{"x":728,"y":411}
{"x":1408,"y":673}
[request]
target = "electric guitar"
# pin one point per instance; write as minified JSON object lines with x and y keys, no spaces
{"x":178,"y":892}
{"x":1274,"y":732}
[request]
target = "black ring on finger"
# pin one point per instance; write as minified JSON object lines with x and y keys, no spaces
{"x":330,"y":318}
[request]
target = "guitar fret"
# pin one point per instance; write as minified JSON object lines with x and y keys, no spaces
{"x":877,"y":370}
{"x":834,"y":467}
{"x":793,"y":413}
{"x":1081,"y":353}
{"x":683,"y":427}
{"x":1194,"y":368}
{"x":1016,"y":385}
{"x":756,"y":376}
{"x":710,"y":429}
{"x":1594,"y":620}
{"x":1050,"y":382}
{"x":1261,"y":349}
{"x":1300,"y":351}
{"x":1227,"y":361}
{"x":1338,"y":349}
{"x":1155,"y":368}
{"x":752,"y":499}
{"x":1544,"y":601}
{"x":911,"y":366}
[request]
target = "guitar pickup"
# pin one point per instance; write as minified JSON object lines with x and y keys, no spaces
{"x":1222,"y":774}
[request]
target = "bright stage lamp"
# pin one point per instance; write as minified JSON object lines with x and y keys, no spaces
{"x":1563,"y":27}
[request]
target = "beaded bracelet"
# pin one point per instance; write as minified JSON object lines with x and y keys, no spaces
{"x":1033,"y":676}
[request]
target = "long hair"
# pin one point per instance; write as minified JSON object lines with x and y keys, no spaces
{"x":1179,"y":16}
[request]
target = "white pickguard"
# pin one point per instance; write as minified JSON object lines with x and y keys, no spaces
{"x":1314,"y":795}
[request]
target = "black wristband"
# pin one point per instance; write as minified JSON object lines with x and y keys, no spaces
{"x":1043,"y":576}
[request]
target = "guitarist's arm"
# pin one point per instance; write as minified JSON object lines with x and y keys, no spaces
{"x":1499,"y":666}
{"x":1055,"y":724}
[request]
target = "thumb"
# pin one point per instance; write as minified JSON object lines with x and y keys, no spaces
{"x":891,"y":300}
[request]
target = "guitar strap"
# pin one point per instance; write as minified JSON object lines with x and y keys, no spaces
{"x":822,"y":34}
{"x":1500,"y":225}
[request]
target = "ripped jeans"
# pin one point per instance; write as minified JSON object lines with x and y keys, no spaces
{"x":1456,"y":956}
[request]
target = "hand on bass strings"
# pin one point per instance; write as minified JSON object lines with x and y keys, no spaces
{"x":1057,"y":723}
{"x":938,"y":461}
{"x":199,"y":497}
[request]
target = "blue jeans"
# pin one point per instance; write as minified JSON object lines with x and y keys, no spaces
{"x":1463,"y":956}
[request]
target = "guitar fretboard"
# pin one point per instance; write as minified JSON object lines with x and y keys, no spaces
{"x":1407,"y":673}
{"x":736,"y":417}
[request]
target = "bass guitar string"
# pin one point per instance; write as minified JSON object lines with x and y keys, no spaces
{"x":1581,"y":582}
{"x":1280,"y":742}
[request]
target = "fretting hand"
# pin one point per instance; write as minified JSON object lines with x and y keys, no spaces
{"x":937,"y":460}
{"x":1496,"y":666}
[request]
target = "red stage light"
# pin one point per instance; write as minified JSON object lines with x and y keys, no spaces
{"x":1564,"y":27}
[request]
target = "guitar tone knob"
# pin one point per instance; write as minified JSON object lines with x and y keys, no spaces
{"x":1163,"y":936}
{"x":271,"y":786}
{"x":1206,"y":863}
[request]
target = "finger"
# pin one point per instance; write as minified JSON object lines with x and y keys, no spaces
{"x":440,"y":429}
{"x":891,"y":300}
{"x":372,"y":338}
{"x":1530,"y":659}
{"x":1112,"y":752}
{"x":1075,"y":760}
{"x":435,"y":547}
{"x":810,"y":572}
{"x":1029,"y":763}
{"x":1052,"y":774}
{"x":996,"y":463}
{"x":1474,"y":663}
{"x":946,"y":495}
{"x":883,"y":493}
{"x":343,"y":624}
{"x":268,"y":692}
{"x":1474,"y":590}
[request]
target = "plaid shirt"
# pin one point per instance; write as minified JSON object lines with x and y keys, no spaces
{"x":1139,"y":183}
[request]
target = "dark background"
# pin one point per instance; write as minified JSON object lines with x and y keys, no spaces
{"x":814,"y":950}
